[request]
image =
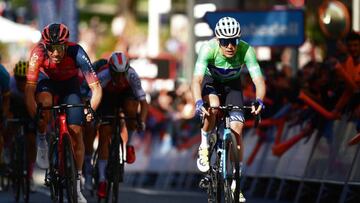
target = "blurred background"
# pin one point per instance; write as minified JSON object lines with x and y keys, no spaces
{"x":306,"y":146}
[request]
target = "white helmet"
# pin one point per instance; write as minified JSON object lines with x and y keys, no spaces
{"x":118,"y":62}
{"x":227,"y":27}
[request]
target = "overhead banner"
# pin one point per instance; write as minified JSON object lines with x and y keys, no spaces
{"x":266,"y":28}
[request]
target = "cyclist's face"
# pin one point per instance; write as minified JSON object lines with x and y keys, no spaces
{"x":56,"y":52}
{"x":229,"y":46}
{"x":117,"y":77}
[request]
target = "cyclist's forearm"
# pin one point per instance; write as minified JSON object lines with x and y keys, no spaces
{"x":143,"y":110}
{"x":6,"y":104}
{"x":196,"y":88}
{"x":96,"y":91}
{"x":260,"y":87}
{"x":30,"y":98}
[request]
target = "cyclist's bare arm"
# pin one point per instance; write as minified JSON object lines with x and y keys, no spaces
{"x":30,"y":101}
{"x":6,"y":103}
{"x":196,"y":90}
{"x":143,"y":110}
{"x":260,"y":90}
{"x":96,"y":91}
{"x":36,"y":60}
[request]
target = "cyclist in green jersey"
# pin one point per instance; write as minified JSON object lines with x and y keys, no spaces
{"x":217,"y":81}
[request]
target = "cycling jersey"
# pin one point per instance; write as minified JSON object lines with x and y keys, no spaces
{"x":18,"y":107}
{"x":131,"y":81}
{"x":213,"y":63}
{"x":75,"y":58}
{"x":4,"y":82}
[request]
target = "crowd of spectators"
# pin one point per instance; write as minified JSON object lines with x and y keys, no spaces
{"x":315,"y":96}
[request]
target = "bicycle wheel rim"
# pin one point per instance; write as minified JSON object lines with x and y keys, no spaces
{"x":232,"y":162}
{"x":27,"y":190}
{"x":70,"y":171}
{"x":26,"y":178}
{"x":17,"y":171}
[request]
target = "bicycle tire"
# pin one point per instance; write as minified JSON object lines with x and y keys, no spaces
{"x":70,"y":172}
{"x":214,"y":194}
{"x":17,"y":171}
{"x":113,"y":170}
{"x":51,"y":177}
{"x":232,"y":162}
{"x":25,"y":175}
{"x":95,"y":172}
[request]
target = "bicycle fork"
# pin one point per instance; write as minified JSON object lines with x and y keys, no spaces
{"x":63,"y":131}
{"x":223,"y":152}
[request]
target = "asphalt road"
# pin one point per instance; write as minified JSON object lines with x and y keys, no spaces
{"x":126,"y":194}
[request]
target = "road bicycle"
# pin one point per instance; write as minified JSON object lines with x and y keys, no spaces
{"x":223,"y":159}
{"x":61,"y":174}
{"x":19,"y":170}
{"x":117,"y":157}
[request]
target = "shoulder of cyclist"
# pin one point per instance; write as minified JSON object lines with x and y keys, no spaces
{"x":82,"y":60}
{"x":4,"y":79}
{"x":135,"y":83}
{"x":37,"y":59}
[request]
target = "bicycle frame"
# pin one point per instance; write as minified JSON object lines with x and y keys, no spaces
{"x":218,"y":176}
{"x":63,"y":131}
{"x":226,"y":135}
{"x":62,"y":173}
{"x":20,"y":162}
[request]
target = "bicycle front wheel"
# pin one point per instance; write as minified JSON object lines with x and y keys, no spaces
{"x":232,"y":170}
{"x":115,"y":171}
{"x":69,"y":170}
{"x":17,"y":170}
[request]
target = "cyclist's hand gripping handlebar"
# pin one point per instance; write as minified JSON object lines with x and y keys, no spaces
{"x":88,"y":111}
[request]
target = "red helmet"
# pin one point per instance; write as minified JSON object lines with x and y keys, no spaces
{"x":118,"y":62}
{"x":55,"y":34}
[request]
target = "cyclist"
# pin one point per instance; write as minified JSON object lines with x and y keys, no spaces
{"x":89,"y":130}
{"x":122,"y":88}
{"x":53,"y":70}
{"x":18,"y":110}
{"x":217,"y":72}
{"x":4,"y":99}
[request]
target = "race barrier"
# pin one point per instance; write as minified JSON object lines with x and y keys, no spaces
{"x":323,"y":164}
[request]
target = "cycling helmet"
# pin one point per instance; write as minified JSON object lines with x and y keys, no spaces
{"x":227,"y":27}
{"x":99,"y":63}
{"x":21,"y":68}
{"x":55,"y":34}
{"x":118,"y":62}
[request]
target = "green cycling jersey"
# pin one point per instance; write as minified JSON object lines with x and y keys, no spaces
{"x":212,"y":62}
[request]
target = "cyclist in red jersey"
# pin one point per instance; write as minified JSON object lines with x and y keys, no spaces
{"x":53,"y":69}
{"x":122,"y":88}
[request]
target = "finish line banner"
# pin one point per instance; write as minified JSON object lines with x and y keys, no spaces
{"x":266,"y":28}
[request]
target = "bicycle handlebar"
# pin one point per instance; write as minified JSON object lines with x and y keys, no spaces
{"x":40,"y":108}
{"x":61,"y":106}
{"x":20,"y":121}
{"x":232,"y":107}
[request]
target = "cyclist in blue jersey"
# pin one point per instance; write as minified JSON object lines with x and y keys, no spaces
{"x":18,"y":110}
{"x":4,"y":98}
{"x":217,"y":81}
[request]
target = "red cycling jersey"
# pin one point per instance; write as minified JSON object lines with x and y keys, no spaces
{"x":75,"y":58}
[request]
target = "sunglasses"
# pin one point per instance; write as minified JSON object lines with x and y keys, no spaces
{"x":57,"y":47}
{"x":226,"y":42}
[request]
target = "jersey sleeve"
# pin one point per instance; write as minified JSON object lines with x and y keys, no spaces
{"x":4,"y":79}
{"x":83,"y":61}
{"x":135,"y":84}
{"x":37,"y":57}
{"x":202,"y":59}
{"x":252,"y":64}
